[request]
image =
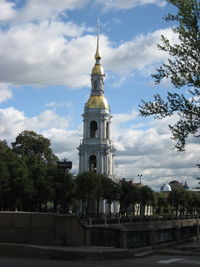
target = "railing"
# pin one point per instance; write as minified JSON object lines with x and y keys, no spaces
{"x":135,"y":219}
{"x":188,"y":232}
{"x":106,"y":237}
{"x":123,"y":238}
{"x":165,"y":235}
{"x":138,"y":239}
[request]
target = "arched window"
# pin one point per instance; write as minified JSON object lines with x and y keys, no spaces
{"x":93,"y":163}
{"x":93,"y":129}
{"x":107,"y":130}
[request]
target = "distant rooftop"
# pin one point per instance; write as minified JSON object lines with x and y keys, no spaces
{"x":165,"y":188}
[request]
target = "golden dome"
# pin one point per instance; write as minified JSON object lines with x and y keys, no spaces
{"x":98,"y":69}
{"x":97,"y":101}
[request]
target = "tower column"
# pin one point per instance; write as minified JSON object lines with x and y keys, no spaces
{"x":96,"y":118}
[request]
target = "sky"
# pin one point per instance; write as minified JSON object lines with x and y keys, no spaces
{"x":47,"y":53}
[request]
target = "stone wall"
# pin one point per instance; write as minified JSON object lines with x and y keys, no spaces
{"x":41,"y":228}
{"x":67,"y":230}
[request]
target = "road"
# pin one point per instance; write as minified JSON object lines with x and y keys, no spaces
{"x":157,"y":261}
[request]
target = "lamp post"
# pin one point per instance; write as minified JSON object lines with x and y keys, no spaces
{"x":198,"y":178}
{"x":140,"y":176}
{"x":64,"y":164}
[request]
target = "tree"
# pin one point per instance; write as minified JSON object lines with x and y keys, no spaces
{"x":146,"y":197}
{"x":64,"y":189}
{"x":161,"y":203}
{"x":29,"y":143}
{"x":183,"y":69}
{"x":4,"y":176}
{"x":13,"y":179}
{"x":85,"y":191}
{"x":177,"y":199}
{"x":128,"y":196}
{"x":35,"y":151}
{"x":110,"y":191}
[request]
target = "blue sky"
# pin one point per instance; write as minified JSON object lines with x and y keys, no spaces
{"x":47,"y":53}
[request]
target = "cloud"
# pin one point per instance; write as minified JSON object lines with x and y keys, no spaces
{"x":5,"y":92}
{"x":62,"y":53}
{"x":138,"y":53}
{"x":56,"y":105}
{"x":13,"y":121}
{"x":127,"y":4}
{"x":53,"y":9}
{"x":49,"y":10}
{"x":54,"y":127}
{"x":48,"y":54}
{"x":7,"y":11}
{"x":39,"y":10}
{"x":147,"y":151}
{"x":40,"y":48}
{"x":150,"y":151}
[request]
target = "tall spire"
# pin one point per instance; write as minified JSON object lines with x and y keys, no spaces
{"x":97,"y":54}
{"x":97,"y":69}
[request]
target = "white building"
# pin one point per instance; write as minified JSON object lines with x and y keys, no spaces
{"x":96,"y":151}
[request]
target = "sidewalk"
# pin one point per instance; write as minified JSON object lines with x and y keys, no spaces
{"x":63,"y":253}
{"x":92,"y":253}
{"x":189,"y":249}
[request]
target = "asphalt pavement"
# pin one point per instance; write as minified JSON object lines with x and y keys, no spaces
{"x":156,"y":260}
{"x":186,"y":254}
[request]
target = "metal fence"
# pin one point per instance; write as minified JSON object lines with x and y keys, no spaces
{"x":106,"y":237}
{"x":165,"y":235}
{"x":138,"y":239}
{"x":188,"y":232}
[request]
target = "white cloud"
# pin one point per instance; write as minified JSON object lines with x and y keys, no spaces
{"x":46,"y":119}
{"x":139,"y":151}
{"x":52,"y":9}
{"x":13,"y":121}
{"x":7,"y":11}
{"x":127,"y":4}
{"x":57,"y":52}
{"x":64,"y":142}
{"x":56,"y":105}
{"x":5,"y":92}
{"x":139,"y":53}
{"x":48,"y":54}
{"x":42,"y":10}
{"x":150,"y":152}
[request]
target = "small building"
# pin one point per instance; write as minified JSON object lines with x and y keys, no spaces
{"x":165,"y":188}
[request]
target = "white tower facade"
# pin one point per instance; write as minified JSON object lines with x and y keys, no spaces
{"x":96,"y":151}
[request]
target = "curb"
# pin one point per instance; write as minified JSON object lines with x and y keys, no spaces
{"x":63,"y":253}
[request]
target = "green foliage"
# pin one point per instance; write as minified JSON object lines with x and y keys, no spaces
{"x":129,"y":195}
{"x":92,"y":186}
{"x":86,"y":187}
{"x":35,"y":151}
{"x":25,"y":180}
{"x":63,"y":187}
{"x":160,"y":202}
{"x":29,"y":143}
{"x":146,"y":197}
{"x":31,"y":179}
{"x":183,"y":69}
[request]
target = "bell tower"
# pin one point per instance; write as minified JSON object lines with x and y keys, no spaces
{"x":96,"y":151}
